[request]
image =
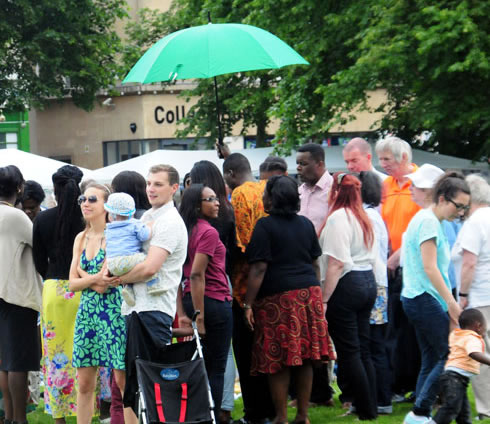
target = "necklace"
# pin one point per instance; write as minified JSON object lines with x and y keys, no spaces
{"x":3,"y":202}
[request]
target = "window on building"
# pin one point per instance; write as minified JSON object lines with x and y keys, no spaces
{"x":8,"y":141}
{"x":117,"y":151}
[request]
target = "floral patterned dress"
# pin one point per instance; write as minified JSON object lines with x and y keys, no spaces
{"x":100,"y":330}
{"x":60,"y":395}
{"x":60,"y":306}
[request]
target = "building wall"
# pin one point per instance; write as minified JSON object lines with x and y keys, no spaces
{"x":15,"y":127}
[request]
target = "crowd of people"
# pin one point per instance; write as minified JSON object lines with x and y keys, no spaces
{"x":386,"y":274}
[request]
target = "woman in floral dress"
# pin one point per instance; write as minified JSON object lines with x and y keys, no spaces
{"x":54,"y":233}
{"x":100,"y":332}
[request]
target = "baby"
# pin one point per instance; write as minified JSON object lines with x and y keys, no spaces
{"x":124,"y":237}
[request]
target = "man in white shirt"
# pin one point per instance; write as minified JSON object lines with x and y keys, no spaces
{"x":166,"y":253}
{"x":358,"y":157}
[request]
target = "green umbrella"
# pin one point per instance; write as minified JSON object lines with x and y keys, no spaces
{"x":209,"y":50}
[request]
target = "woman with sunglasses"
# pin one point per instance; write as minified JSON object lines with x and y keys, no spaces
{"x":349,"y":291}
{"x":206,"y":285}
{"x":426,"y":294}
{"x":100,"y":332}
{"x":54,"y":233}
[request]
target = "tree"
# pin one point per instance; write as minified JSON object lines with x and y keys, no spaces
{"x":55,"y":48}
{"x":245,"y":97}
{"x":433,"y":60}
{"x":430,"y":57}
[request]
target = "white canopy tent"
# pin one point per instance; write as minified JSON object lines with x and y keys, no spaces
{"x":35,"y":167}
{"x":183,"y":160}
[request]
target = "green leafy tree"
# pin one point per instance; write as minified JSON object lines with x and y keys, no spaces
{"x":432,"y":58}
{"x":246,"y":97}
{"x":54,"y":48}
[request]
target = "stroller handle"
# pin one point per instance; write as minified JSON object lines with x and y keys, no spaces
{"x":195,"y":315}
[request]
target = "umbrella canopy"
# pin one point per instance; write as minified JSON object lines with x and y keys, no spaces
{"x":209,"y":50}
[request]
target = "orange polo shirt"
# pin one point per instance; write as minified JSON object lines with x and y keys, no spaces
{"x":397,"y":209}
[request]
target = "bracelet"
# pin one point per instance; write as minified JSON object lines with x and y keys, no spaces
{"x":463,"y":294}
{"x":246,"y":306}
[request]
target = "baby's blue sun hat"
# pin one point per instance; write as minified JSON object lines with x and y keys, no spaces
{"x":120,"y":204}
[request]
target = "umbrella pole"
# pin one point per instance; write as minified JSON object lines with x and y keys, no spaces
{"x":220,"y":135}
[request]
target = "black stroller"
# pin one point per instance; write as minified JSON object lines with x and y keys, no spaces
{"x":175,"y":389}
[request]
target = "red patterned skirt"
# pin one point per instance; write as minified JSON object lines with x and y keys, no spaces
{"x":290,"y":327}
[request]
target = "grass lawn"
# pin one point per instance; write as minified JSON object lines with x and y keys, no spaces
{"x":318,"y":415}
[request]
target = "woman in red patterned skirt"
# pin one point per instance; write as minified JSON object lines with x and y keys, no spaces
{"x":283,"y":304}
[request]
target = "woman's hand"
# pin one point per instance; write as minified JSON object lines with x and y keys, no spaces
{"x":454,"y":311}
{"x":200,"y":326}
{"x":249,"y":319}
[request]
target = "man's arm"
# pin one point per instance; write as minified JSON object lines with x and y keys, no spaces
{"x":155,"y":258}
{"x":467,"y":274}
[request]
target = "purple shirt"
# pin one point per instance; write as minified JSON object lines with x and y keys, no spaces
{"x":314,"y":200}
{"x":205,"y":239}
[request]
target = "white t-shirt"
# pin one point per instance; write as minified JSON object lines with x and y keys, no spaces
{"x":169,"y":233}
{"x":343,"y":239}
{"x":475,"y":238}
{"x":379,"y":227}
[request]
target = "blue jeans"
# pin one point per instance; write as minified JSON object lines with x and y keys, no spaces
{"x":431,"y":325}
{"x":218,"y":321}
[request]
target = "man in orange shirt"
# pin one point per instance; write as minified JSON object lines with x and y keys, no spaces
{"x":246,"y":199}
{"x":398,"y":208}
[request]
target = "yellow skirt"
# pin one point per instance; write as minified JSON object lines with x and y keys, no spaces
{"x":58,"y":314}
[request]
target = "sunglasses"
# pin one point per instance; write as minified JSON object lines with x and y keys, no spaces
{"x":210,"y":199}
{"x":459,"y":206}
{"x":83,"y":199}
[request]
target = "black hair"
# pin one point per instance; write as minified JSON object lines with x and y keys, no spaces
{"x":69,"y":220}
{"x":449,"y":185}
{"x":282,"y":193}
{"x":315,"y":150}
{"x":273,"y":163}
{"x":371,"y":188}
{"x":11,"y":181}
{"x":186,"y":176}
{"x":190,"y":206}
{"x":470,"y":317}
{"x":237,"y":163}
{"x":207,"y":173}
{"x":34,"y":191}
{"x":134,"y":184}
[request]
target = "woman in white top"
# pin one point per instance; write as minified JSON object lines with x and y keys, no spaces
{"x":349,"y":253}
{"x":471,"y":253}
{"x":20,"y":298}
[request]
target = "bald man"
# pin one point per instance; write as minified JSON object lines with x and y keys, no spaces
{"x":357,"y":156}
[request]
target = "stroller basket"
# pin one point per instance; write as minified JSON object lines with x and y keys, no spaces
{"x":174,"y":392}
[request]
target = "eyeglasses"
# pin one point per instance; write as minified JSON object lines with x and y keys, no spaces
{"x":210,"y":199}
{"x":83,"y":199}
{"x":459,"y":206}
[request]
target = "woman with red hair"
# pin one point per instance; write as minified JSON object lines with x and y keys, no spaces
{"x":349,"y":289}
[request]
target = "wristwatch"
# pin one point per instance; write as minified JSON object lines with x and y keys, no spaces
{"x":246,"y":306}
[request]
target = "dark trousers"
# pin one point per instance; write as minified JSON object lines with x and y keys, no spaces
{"x":257,"y":401}
{"x":348,"y":312}
{"x":379,"y":355}
{"x":454,"y":397}
{"x":403,"y":349}
{"x":218,"y":321}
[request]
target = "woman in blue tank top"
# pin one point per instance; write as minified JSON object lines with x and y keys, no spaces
{"x":100,"y":332}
